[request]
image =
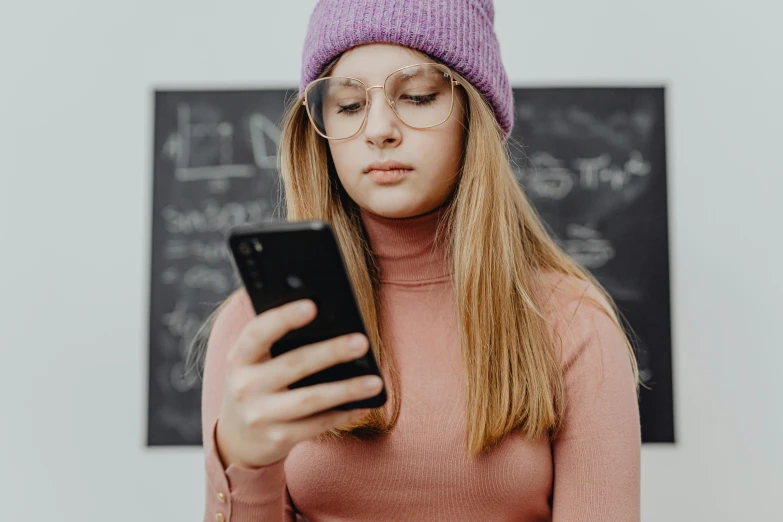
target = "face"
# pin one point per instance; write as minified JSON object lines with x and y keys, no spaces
{"x":431,"y":156}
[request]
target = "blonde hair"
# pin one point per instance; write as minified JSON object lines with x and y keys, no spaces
{"x":514,"y":378}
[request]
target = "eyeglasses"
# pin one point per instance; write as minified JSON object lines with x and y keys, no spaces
{"x":422,"y":96}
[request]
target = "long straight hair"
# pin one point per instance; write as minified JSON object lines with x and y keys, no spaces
{"x":514,"y":379}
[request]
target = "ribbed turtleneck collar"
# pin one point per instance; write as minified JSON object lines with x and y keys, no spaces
{"x":405,"y":248}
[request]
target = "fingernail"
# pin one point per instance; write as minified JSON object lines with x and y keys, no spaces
{"x":356,"y":344}
{"x":304,"y":308}
{"x":372,"y":383}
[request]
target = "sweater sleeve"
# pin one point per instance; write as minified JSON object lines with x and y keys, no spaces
{"x":235,"y":494}
{"x":598,"y":449}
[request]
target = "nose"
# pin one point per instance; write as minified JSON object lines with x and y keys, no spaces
{"x":382,"y":127}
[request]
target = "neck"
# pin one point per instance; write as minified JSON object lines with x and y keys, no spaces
{"x":406,"y":248}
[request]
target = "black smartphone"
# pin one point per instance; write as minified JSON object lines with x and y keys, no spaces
{"x":283,"y":261}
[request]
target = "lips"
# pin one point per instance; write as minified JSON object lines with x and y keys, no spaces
{"x":386,"y":165}
{"x":385,"y":177}
{"x":387,"y":172}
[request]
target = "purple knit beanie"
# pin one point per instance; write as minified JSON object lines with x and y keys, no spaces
{"x":458,"y":32}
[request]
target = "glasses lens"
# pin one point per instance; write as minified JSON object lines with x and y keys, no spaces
{"x":421,"y":94}
{"x":336,"y":106}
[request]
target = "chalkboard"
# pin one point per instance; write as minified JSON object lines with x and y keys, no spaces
{"x":591,"y":160}
{"x":214,"y":167}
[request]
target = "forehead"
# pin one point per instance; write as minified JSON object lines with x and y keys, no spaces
{"x":372,"y":63}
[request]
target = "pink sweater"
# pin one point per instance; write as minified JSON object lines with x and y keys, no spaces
{"x":590,"y":472}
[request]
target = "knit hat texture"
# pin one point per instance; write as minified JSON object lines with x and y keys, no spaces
{"x":460,"y":33}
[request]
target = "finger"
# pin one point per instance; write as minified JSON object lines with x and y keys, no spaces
{"x":302,"y":403}
{"x":308,"y":429}
{"x":258,"y":336}
{"x":278,"y":374}
{"x":304,"y":361}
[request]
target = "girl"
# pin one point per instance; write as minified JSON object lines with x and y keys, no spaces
{"x":512,"y":387}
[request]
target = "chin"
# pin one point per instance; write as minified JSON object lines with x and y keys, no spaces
{"x":396,"y":208}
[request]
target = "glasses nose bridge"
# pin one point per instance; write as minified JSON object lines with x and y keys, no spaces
{"x":385,"y":94}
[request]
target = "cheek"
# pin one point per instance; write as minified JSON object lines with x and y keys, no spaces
{"x":343,"y":160}
{"x":452,"y":141}
{"x":447,"y":160}
{"x":339,"y":154}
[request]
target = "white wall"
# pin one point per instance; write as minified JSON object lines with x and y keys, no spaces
{"x":75,"y":142}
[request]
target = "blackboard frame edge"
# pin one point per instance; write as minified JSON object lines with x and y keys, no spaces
{"x":604,"y":83}
{"x":154,"y":102}
{"x":212,"y":87}
{"x":665,"y":93}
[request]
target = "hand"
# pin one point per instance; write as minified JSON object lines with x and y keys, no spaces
{"x":260,"y":419}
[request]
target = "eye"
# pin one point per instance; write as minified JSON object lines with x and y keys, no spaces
{"x":350,"y":108}
{"x":420,"y":99}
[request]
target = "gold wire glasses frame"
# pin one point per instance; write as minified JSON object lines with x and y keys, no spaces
{"x":388,"y":100}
